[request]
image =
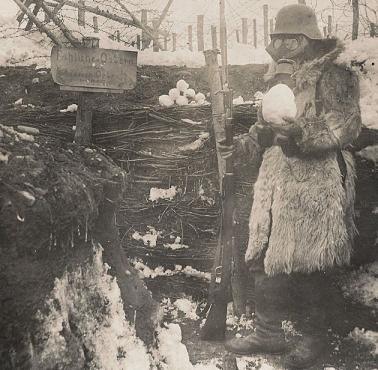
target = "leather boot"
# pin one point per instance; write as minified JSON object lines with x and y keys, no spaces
{"x":254,"y":343}
{"x":306,"y":353}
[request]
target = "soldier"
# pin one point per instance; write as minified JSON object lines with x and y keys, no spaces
{"x":301,"y":223}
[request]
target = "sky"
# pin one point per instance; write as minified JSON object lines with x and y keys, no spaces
{"x":184,"y":12}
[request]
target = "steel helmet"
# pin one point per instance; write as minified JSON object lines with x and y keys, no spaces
{"x":297,"y":19}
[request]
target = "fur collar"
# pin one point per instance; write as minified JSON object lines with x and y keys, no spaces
{"x":309,"y":73}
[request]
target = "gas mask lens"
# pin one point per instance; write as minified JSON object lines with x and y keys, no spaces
{"x":289,"y":43}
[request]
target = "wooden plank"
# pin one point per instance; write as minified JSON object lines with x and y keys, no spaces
{"x":94,"y":67}
{"x":90,"y":89}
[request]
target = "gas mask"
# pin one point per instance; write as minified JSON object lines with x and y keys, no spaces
{"x":287,"y":47}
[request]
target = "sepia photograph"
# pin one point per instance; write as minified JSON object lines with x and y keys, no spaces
{"x":188,"y":184}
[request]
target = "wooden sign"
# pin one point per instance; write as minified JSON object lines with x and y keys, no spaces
{"x":94,"y":69}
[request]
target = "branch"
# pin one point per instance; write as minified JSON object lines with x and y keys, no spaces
{"x":164,"y":14}
{"x":38,"y":23}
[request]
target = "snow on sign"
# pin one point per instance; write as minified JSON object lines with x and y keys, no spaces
{"x":94,"y":68}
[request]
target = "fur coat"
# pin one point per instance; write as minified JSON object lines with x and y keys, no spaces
{"x":302,"y":218}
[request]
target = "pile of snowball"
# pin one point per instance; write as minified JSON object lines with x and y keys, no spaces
{"x":182,"y":95}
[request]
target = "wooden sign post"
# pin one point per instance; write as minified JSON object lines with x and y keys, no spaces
{"x":89,"y":70}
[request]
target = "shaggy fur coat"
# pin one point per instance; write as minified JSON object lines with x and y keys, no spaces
{"x":302,"y":218}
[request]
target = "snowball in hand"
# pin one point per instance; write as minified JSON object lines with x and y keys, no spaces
{"x":182,"y":100}
{"x":182,"y":85}
{"x":165,"y":101}
{"x":174,"y":93}
{"x":277,"y":103}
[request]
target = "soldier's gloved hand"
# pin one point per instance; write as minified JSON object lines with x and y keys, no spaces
{"x":290,"y":129}
{"x":225,"y":150}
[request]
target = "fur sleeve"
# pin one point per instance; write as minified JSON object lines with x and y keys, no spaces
{"x":340,"y":121}
{"x":250,"y":146}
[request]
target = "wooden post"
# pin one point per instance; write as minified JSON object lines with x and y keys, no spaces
{"x":244,"y":30}
{"x":81,"y":13}
{"x":223,"y":41}
{"x":356,"y":19}
{"x":255,"y":33}
{"x":165,"y":43}
{"x":200,"y":37}
{"x":190,"y":37}
{"x":20,"y":17}
{"x":138,"y":42}
{"x":95,"y":24}
{"x":330,"y":25}
{"x":83,"y":133}
{"x":271,"y":26}
{"x":145,"y":39}
{"x":237,"y":36}
{"x":266,"y":24}
{"x":156,"y":35}
{"x":214,"y":39}
{"x":303,"y":2}
{"x":118,"y":36}
{"x":325,"y":32}
{"x":174,"y":41}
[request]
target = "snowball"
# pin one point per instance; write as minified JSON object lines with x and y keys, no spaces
{"x":182,"y":100}
{"x":277,"y":103}
{"x":35,"y":80}
{"x":70,"y":108}
{"x":200,"y":97}
{"x":156,"y":194}
{"x":166,"y":101}
{"x":190,"y":93}
{"x":174,"y":93}
{"x":18,"y":102}
{"x":239,"y":100}
{"x":182,"y":85}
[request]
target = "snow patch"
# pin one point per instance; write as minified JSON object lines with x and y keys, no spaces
{"x":176,"y":245}
{"x":156,"y":193}
{"x":70,"y":108}
{"x":366,"y":337}
{"x":150,"y":238}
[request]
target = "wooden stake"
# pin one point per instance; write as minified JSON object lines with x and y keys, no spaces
{"x":255,"y":33}
{"x":244,"y":30}
{"x":223,"y":41}
{"x":145,"y":38}
{"x":20,"y":17}
{"x":165,"y":43}
{"x":95,"y":24}
{"x":138,"y":42}
{"x":81,"y":13}
{"x":200,"y":37}
{"x":325,"y":32}
{"x":38,"y":23}
{"x":214,"y":39}
{"x":330,"y":25}
{"x":84,"y":115}
{"x":356,"y":19}
{"x":237,"y":36}
{"x":155,"y":38}
{"x":190,"y":37}
{"x":271,"y":25}
{"x":118,"y":36}
{"x":266,"y":20}
{"x":174,"y":41}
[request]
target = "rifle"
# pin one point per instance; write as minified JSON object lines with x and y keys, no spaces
{"x":220,"y":287}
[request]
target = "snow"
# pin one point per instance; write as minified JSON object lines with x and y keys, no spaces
{"x":71,"y":108}
{"x":147,"y":272}
{"x":182,"y":100}
{"x":156,"y":193}
{"x":176,"y":245}
{"x":18,"y":102}
{"x":365,"y":51}
{"x":174,"y":93}
{"x":187,"y":120}
{"x":363,"y":285}
{"x":366,"y":337}
{"x":150,"y":238}
{"x":190,"y":93}
{"x":182,"y":85}
{"x":195,"y":145}
{"x":184,"y":307}
{"x":166,"y":101}
{"x":279,"y":102}
{"x":28,"y":130}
